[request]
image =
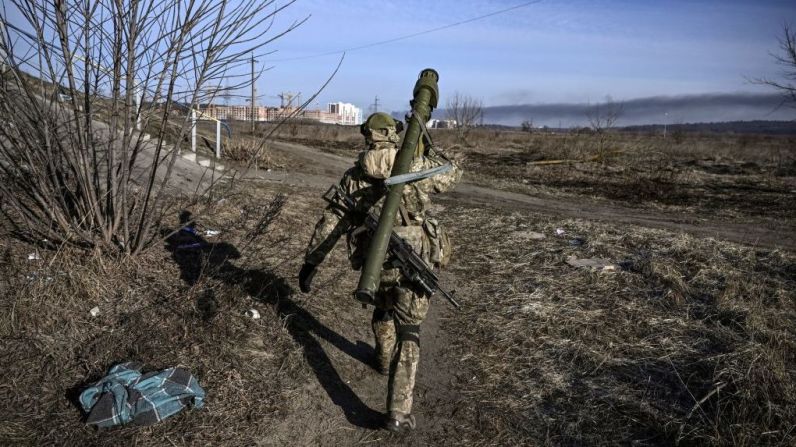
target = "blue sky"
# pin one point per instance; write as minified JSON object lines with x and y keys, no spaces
{"x":550,"y":52}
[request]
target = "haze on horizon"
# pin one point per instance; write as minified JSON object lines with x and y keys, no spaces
{"x":544,"y":55}
{"x":675,"y":61}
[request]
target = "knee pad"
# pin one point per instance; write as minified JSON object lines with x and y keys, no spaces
{"x":409,"y":332}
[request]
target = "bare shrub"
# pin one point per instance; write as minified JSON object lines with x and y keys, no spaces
{"x":73,"y":168}
{"x":602,"y":118}
{"x":246,"y":150}
{"x":787,"y":58}
{"x":466,"y":112}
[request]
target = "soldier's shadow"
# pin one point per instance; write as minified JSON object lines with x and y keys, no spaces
{"x":195,"y":257}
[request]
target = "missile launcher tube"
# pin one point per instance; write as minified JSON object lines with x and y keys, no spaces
{"x":426,"y":95}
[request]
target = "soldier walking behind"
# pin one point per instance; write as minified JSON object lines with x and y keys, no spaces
{"x":400,"y":306}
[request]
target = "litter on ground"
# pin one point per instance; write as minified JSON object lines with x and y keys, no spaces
{"x":577,"y":242}
{"x":592,"y":263}
{"x":125,"y":395}
{"x":530,"y":235}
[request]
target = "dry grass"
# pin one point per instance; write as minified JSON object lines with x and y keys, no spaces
{"x":720,"y":175}
{"x":165,"y":308}
{"x":726,"y":175}
{"x":692,"y":342}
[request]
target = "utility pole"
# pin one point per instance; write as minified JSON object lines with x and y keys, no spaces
{"x":253,"y":104}
{"x":375,"y":105}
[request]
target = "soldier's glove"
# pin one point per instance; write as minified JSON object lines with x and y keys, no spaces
{"x":305,"y":277}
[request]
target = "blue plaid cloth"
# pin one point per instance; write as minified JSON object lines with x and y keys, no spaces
{"x":125,"y":395}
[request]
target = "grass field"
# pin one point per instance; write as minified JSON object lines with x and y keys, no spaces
{"x":732,"y":176}
{"x":683,"y":340}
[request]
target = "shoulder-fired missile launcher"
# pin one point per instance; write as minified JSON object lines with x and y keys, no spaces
{"x":425,"y":97}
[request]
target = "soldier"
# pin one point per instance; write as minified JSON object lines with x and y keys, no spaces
{"x":399,"y":306}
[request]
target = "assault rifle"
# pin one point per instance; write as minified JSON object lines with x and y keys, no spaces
{"x":403,"y":256}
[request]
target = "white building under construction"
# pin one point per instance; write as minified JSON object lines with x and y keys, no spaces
{"x":346,"y":113}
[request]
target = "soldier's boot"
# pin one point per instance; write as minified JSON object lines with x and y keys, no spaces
{"x":384,"y":333}
{"x":398,"y":422}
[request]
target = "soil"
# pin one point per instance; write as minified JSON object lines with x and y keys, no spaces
{"x":344,"y":406}
{"x":320,"y":169}
{"x":342,"y":399}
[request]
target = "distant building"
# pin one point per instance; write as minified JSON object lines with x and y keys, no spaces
{"x":345,"y":113}
{"x":441,"y":124}
{"x":336,"y":113}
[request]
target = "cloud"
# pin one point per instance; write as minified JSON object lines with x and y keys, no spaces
{"x":651,"y":110}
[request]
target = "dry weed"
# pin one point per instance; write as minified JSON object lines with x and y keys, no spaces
{"x":166,"y":308}
{"x":691,"y":342}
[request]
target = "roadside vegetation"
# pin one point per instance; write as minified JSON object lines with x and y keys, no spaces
{"x":688,"y":341}
{"x":732,"y":176}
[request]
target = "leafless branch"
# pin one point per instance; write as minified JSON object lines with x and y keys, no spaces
{"x":77,"y":81}
{"x":465,"y":111}
{"x":787,"y":59}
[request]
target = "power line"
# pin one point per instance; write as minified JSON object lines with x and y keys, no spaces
{"x":409,"y":36}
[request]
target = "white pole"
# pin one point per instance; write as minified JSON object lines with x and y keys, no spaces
{"x":3,"y":53}
{"x":218,"y":139}
{"x":139,"y":97}
{"x":193,"y":131}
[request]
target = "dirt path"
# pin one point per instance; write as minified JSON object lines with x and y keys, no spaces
{"x":319,"y":170}
{"x":343,"y":405}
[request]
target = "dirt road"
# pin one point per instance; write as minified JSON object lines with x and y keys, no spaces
{"x":319,"y":170}
{"x":342,"y":407}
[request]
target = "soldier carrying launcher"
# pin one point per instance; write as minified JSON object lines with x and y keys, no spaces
{"x":398,"y":251}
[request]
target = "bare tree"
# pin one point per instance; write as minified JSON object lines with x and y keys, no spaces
{"x":465,"y":111}
{"x":787,"y":59}
{"x":602,"y":118}
{"x":74,"y":167}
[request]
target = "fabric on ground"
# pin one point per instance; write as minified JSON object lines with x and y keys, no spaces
{"x":125,"y":395}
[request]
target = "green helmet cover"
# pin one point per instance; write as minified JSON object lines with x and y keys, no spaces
{"x":380,"y":121}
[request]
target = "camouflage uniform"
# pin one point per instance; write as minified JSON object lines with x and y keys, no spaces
{"x":400,"y":307}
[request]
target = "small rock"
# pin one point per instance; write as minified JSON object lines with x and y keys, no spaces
{"x":212,"y":233}
{"x":34,"y":256}
{"x":94,"y":312}
{"x":560,"y":232}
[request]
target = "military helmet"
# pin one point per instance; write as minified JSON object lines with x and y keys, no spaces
{"x":380,"y":121}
